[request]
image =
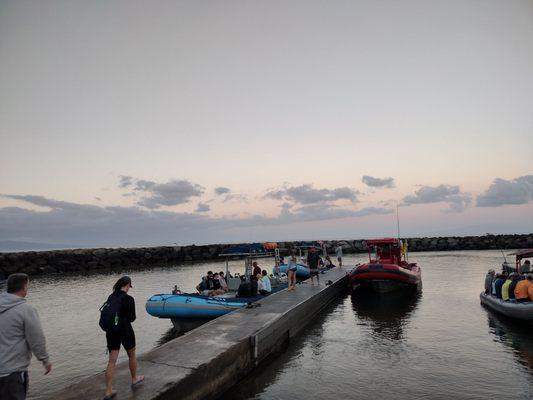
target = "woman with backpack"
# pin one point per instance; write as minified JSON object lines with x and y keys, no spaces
{"x":116,"y":317}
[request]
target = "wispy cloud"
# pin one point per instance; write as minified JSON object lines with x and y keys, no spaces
{"x":452,"y":195}
{"x":221,"y":190}
{"x":155,"y":195}
{"x":202,"y":207}
{"x":378,"y":182}
{"x":96,"y":225}
{"x":502,"y":192}
{"x":306,"y":194}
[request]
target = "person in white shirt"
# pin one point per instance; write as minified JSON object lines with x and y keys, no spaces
{"x":266,"y":287}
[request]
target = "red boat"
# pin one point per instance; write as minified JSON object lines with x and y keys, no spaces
{"x":388,"y":268}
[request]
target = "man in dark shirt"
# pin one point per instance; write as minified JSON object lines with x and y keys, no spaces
{"x":500,"y":280}
{"x":257,"y":269}
{"x":312,"y":262}
{"x":245,"y":288}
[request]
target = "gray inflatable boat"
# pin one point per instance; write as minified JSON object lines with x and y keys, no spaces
{"x":522,"y":311}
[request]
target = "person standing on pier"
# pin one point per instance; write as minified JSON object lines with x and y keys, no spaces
{"x":338,"y":253}
{"x":121,"y":333}
{"x":20,"y":336}
{"x":312,"y":263}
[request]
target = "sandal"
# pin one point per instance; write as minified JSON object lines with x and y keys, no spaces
{"x":140,"y":380}
{"x":110,"y":396}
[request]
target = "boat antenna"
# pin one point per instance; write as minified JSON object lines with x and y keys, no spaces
{"x":503,"y":255}
{"x":398,"y":220}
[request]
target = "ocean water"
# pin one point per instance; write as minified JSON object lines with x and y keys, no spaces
{"x":440,"y":345}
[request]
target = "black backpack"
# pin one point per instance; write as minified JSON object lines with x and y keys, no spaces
{"x":110,"y":320}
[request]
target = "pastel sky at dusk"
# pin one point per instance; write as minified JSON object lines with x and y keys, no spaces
{"x":142,"y":123}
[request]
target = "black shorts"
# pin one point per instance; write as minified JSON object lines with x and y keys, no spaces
{"x":14,"y":386}
{"x":313,"y":272}
{"x":115,"y":339}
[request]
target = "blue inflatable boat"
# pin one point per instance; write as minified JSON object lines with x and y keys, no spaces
{"x":192,"y":306}
{"x":301,"y":271}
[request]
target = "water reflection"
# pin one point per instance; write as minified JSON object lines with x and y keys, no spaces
{"x":168,"y":336}
{"x":387,"y":315}
{"x":516,"y":335}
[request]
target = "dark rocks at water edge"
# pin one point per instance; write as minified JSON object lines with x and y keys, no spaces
{"x":85,"y":260}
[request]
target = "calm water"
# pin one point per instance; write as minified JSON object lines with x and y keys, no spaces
{"x":441,"y":345}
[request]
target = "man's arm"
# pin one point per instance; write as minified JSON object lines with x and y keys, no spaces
{"x":35,"y":337}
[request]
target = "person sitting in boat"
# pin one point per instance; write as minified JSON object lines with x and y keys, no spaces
{"x":488,"y":281}
{"x":328,"y":263}
{"x":526,"y":267}
{"x":524,"y":289}
{"x":266,"y":286}
{"x":498,"y":283}
{"x":257,"y":269}
{"x":245,"y":288}
{"x":254,"y":285}
{"x":515,"y":278}
{"x":505,"y":288}
{"x":275,"y":270}
{"x":222,"y":281}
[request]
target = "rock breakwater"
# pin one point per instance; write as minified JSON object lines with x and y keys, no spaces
{"x":88,"y":260}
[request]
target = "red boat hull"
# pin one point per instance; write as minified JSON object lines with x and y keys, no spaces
{"x":386,"y":277}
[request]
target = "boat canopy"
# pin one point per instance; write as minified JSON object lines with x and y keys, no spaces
{"x":526,"y":253}
{"x":245,"y":249}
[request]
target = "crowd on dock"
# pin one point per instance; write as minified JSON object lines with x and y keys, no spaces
{"x":511,"y":286}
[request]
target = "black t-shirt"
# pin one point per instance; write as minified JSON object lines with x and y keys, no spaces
{"x":127,"y":310}
{"x":245,"y":290}
{"x":312,"y":260}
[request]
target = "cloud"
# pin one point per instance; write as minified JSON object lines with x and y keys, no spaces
{"x":156,"y":195}
{"x":457,"y":201}
{"x":203,"y":207}
{"x":306,"y":194}
{"x":66,"y":222}
{"x":502,"y":192}
{"x":125,"y":181}
{"x":221,"y":190}
{"x":377,"y":182}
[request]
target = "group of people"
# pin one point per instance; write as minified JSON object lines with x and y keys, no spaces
{"x":213,"y":284}
{"x":257,"y":283}
{"x":513,"y":287}
{"x":21,"y":334}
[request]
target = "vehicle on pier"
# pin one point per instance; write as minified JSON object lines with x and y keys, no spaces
{"x":388,"y":269}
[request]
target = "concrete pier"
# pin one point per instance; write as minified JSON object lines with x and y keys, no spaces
{"x":206,"y":362}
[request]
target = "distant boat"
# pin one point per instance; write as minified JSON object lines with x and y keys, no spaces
{"x":388,"y":269}
{"x":511,"y":309}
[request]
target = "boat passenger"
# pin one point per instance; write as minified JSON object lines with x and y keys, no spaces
{"x":257,"y":269}
{"x":328,"y":263}
{"x":292,"y":268}
{"x":505,"y":288}
{"x":275,"y":270}
{"x":524,"y":289}
{"x":265,"y":283}
{"x":488,"y":281}
{"x":202,"y":287}
{"x":515,"y":277}
{"x":312,"y":262}
{"x":254,"y":285}
{"x":222,"y":281}
{"x":245,"y":288}
{"x":498,"y":283}
{"x":526,"y":267}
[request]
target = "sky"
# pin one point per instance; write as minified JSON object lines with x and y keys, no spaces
{"x":127,"y":123}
